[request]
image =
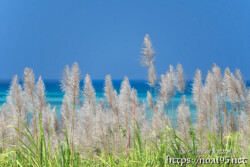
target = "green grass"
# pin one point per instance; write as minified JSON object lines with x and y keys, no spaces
{"x":28,"y":151}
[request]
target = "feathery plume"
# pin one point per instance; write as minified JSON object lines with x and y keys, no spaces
{"x":29,"y":91}
{"x":197,"y":87}
{"x":163,"y":90}
{"x":65,"y":83}
{"x":148,"y":59}
{"x":198,"y":99}
{"x":29,"y":84}
{"x":40,"y":100}
{"x":152,"y":77}
{"x":167,"y":86}
{"x":54,"y":120}
{"x":74,"y":83}
{"x":5,"y":132}
{"x":170,"y":78}
{"x":135,"y":106}
{"x":102,"y":137}
{"x":88,"y":90}
{"x":116,"y":109}
{"x":84,"y":129}
{"x":89,"y":105}
{"x":108,"y":91}
{"x":217,"y":78}
{"x":16,"y":101}
{"x":150,"y":101}
{"x":70,"y":84}
{"x":160,"y":120}
{"x":66,"y":110}
{"x":144,"y":123}
{"x":117,"y":119}
{"x":230,"y":86}
{"x":233,"y":94}
{"x":125,"y":106}
{"x":46,"y":120}
{"x":218,"y":96}
{"x":209,"y":96}
{"x":54,"y":128}
{"x":241,"y":85}
{"x":147,"y":51}
{"x":180,"y":79}
{"x":202,"y":117}
{"x":183,"y":121}
{"x":125,"y":97}
{"x":109,"y":96}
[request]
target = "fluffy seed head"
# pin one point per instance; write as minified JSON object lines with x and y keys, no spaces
{"x":29,"y":83}
{"x":183,"y":121}
{"x":180,"y":79}
{"x":231,"y":87}
{"x":147,"y":51}
{"x":40,"y":100}
{"x":88,"y":89}
{"x":152,"y":77}
{"x":197,"y":87}
{"x":217,"y":78}
{"x":108,"y":91}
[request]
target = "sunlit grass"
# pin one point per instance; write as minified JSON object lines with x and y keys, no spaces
{"x":28,"y":151}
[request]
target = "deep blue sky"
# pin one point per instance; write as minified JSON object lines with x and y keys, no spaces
{"x":105,"y":37}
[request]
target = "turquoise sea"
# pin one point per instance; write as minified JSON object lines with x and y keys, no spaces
{"x":55,"y":95}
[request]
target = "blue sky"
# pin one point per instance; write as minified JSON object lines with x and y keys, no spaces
{"x":105,"y":37}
